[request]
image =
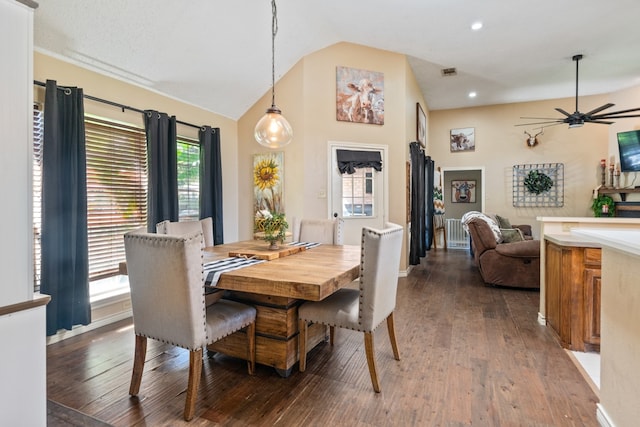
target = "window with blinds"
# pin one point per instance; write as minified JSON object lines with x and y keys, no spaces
{"x":116,"y":188}
{"x":188,"y":179}
{"x":116,"y":191}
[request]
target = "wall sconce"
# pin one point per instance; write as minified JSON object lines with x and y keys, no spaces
{"x":273,"y":130}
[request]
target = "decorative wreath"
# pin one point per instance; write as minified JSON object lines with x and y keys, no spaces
{"x":537,"y":182}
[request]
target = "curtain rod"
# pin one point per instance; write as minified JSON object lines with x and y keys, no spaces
{"x":115,"y":104}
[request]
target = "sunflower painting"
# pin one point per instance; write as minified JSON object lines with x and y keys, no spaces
{"x":267,"y":182}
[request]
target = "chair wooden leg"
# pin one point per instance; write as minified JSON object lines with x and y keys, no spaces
{"x":444,"y":236}
{"x":392,"y":336}
{"x":195,"y":370}
{"x":332,"y":333}
{"x":138,"y":365}
{"x":371,"y":360}
{"x":302,"y":344}
{"x":251,"y":338}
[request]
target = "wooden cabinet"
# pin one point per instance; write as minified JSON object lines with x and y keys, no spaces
{"x":573,"y":282}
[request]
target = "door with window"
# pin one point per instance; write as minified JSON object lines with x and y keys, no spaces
{"x":359,"y":198}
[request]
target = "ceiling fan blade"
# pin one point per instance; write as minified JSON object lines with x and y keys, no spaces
{"x":560,"y":110}
{"x":540,"y":118}
{"x":597,"y":110}
{"x":620,"y":112}
{"x":609,"y":116}
{"x":600,"y":122}
{"x":560,"y":121}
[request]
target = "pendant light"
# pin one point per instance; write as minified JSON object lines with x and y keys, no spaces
{"x":273,"y":130}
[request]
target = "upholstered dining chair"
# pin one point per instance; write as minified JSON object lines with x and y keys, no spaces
{"x":183,"y":227}
{"x":365,"y":308}
{"x":327,"y":231}
{"x":167,"y":299}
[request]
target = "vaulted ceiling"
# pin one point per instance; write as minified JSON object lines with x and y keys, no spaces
{"x":217,"y":54}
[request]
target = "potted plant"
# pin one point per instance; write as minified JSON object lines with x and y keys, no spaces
{"x":603,"y":205}
{"x":274,"y":226}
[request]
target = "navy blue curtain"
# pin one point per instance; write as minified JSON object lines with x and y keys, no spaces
{"x":162,"y":158}
{"x":65,"y":253}
{"x":350,"y":160}
{"x":421,"y":203}
{"x":211,"y":180}
{"x":429,"y":166}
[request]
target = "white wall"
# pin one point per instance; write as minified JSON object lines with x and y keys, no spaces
{"x":22,"y":324}
{"x":16,"y":24}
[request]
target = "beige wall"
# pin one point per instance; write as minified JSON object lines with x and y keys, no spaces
{"x":500,"y":145}
{"x":306,"y":95}
{"x":101,"y":86}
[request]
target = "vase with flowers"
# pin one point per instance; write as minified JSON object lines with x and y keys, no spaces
{"x":274,"y":226}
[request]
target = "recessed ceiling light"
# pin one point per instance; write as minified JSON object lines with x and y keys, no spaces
{"x":472,"y":94}
{"x":476,"y":26}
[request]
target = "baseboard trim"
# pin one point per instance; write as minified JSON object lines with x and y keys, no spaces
{"x":603,"y":419}
{"x":541,"y":319}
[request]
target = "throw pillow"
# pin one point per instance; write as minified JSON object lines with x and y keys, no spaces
{"x":503,"y":222}
{"x":510,"y":235}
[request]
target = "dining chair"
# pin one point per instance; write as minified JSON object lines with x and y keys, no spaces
{"x":327,"y":231}
{"x":361,"y":309}
{"x":168,"y":304}
{"x":183,"y":227}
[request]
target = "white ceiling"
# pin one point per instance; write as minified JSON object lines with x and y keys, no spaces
{"x":217,"y":54}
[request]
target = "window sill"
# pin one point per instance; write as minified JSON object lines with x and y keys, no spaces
{"x":108,"y":288}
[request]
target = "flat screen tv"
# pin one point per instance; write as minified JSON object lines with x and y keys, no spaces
{"x":629,"y":148}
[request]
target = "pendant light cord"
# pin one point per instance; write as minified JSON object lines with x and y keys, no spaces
{"x":274,"y":31}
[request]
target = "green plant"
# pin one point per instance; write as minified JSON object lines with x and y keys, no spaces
{"x":275,"y":227}
{"x":537,"y":182}
{"x":598,"y":206}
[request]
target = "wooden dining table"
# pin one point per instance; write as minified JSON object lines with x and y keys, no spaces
{"x":277,"y":287}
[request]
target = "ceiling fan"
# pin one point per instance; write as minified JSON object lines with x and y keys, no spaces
{"x":578,"y":119}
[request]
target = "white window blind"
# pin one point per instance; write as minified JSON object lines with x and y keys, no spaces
{"x":38,"y":137}
{"x":116,"y":191}
{"x":188,"y":179}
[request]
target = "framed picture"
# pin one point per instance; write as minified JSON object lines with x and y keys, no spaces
{"x":463,"y":139}
{"x":268,"y":178}
{"x":359,"y":96}
{"x":421,"y":130}
{"x":463,"y":191}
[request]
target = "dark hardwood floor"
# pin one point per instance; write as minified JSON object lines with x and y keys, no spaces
{"x":470,"y":355}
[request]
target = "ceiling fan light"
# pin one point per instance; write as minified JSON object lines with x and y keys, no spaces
{"x":578,"y":124}
{"x":273,"y":130}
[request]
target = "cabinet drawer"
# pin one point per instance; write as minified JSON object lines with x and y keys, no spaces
{"x":592,"y":256}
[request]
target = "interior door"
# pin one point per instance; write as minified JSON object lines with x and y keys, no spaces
{"x":359,"y":198}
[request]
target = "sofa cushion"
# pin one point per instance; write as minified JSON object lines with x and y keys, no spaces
{"x":524,"y":249}
{"x":510,"y":235}
{"x":503,"y":222}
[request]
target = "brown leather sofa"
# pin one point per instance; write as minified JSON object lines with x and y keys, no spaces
{"x":515,"y":264}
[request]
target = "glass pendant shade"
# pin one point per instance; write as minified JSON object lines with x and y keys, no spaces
{"x":273,"y":130}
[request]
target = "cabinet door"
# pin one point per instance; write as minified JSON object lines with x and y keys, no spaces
{"x":592,"y":284}
{"x":553,"y":283}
